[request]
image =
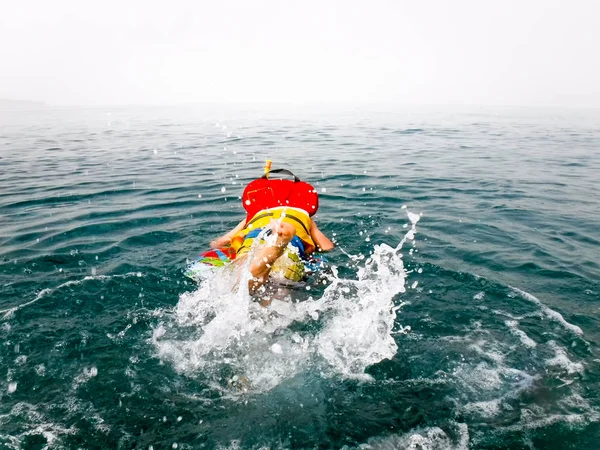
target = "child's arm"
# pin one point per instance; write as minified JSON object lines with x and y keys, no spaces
{"x":226,"y":238}
{"x":321,"y":241}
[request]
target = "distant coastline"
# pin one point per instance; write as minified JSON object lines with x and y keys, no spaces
{"x":20,"y":104}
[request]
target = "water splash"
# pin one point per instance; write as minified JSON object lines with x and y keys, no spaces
{"x":221,"y":335}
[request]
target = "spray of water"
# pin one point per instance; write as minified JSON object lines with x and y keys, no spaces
{"x":220,"y":334}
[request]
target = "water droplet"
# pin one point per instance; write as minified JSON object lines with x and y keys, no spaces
{"x":223,"y":189}
{"x":199,"y":195}
{"x":12,"y":387}
{"x":276,"y":348}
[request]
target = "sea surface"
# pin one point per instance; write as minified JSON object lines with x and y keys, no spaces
{"x":459,"y":310}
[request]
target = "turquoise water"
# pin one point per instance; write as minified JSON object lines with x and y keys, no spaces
{"x":481,"y":332}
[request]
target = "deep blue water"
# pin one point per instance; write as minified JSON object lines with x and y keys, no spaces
{"x":104,"y":341}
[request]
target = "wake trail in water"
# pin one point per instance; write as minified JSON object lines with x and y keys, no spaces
{"x":225,"y":336}
{"x":548,"y":312}
{"x":8,"y":312}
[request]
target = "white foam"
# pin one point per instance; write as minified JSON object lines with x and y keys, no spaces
{"x":38,"y":424}
{"x":548,"y":312}
{"x":488,"y":385}
{"x":514,"y":329}
{"x":573,"y":419}
{"x":492,"y":352}
{"x":480,"y":378}
{"x":433,"y":438}
{"x":562,"y":360}
{"x":233,"y":445}
{"x":576,"y":401}
{"x":484,"y":409}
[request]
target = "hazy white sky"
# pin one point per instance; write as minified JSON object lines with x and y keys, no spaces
{"x":492,"y":52}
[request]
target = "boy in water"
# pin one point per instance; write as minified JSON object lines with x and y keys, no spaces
{"x":290,"y":225}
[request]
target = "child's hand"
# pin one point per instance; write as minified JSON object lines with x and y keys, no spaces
{"x":218,"y":243}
